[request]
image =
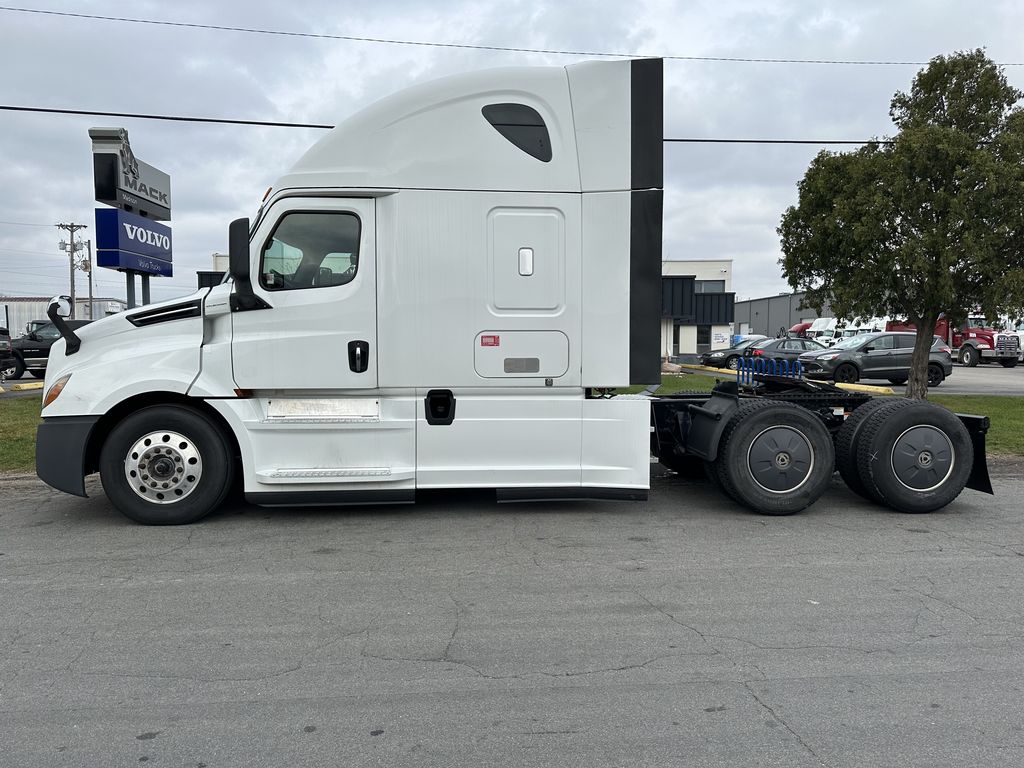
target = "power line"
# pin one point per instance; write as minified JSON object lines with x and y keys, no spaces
{"x":176,"y":118}
{"x":24,"y":224}
{"x":463,"y":46}
{"x":271,"y":124}
{"x":778,"y":141}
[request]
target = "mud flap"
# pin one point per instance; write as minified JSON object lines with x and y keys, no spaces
{"x":978,"y":426}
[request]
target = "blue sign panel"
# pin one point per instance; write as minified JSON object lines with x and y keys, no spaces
{"x":128,"y":242}
{"x":125,"y":260}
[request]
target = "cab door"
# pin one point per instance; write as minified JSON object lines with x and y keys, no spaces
{"x":313,"y":264}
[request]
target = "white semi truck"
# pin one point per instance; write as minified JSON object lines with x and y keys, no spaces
{"x":445,"y":292}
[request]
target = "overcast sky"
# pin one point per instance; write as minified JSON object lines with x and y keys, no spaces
{"x":722,"y":201}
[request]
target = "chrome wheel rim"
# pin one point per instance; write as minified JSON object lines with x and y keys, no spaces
{"x":163,"y":467}
{"x":922,"y":458}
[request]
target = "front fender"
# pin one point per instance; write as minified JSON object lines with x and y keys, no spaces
{"x":111,"y":369}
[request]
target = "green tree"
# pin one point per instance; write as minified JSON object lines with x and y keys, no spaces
{"x":930,"y":221}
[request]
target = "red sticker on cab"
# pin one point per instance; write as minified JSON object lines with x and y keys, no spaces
{"x":490,"y":341}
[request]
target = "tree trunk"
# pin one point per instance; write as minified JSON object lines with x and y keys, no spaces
{"x":917,"y":383}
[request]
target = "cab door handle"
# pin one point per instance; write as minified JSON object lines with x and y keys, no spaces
{"x":358,"y":356}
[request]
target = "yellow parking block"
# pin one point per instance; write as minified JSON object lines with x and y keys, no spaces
{"x":869,"y":389}
{"x":24,"y":387}
{"x":723,"y":371}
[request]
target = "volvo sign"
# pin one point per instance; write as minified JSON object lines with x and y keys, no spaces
{"x":124,"y":181}
{"x":132,"y":243}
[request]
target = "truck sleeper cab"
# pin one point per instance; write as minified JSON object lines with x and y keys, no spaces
{"x":439,"y":295}
{"x":422,"y":302}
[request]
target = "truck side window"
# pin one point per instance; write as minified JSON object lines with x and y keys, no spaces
{"x":311,"y":250}
{"x":521,"y":125}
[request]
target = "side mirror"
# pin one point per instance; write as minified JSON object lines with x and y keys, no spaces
{"x":63,"y":306}
{"x":60,"y":308}
{"x":243,"y":298}
{"x":238,"y":250}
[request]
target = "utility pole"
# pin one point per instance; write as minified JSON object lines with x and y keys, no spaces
{"x":71,"y":247}
{"x":87,"y":268}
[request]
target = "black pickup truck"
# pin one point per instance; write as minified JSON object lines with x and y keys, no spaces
{"x":6,"y":357}
{"x":31,"y":351}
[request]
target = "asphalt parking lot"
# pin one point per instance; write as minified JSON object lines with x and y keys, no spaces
{"x":681,"y":631}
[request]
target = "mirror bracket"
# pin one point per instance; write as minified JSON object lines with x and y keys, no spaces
{"x":53,"y":312}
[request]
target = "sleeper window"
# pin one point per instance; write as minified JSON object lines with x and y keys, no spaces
{"x":311,"y":250}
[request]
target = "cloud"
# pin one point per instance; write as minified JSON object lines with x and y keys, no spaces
{"x":722,"y":201}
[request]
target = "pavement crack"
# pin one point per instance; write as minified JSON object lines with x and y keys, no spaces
{"x":455,"y":630}
{"x":781,"y":721}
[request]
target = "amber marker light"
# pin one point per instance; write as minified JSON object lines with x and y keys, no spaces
{"x":54,"y":392}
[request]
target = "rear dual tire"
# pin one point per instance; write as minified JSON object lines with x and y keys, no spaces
{"x":907,"y":454}
{"x":775,"y":458}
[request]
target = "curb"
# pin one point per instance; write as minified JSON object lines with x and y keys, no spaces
{"x":24,"y":387}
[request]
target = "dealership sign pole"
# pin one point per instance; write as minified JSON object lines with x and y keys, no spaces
{"x":128,"y":235}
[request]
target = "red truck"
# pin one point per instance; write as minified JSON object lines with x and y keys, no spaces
{"x":972,"y":343}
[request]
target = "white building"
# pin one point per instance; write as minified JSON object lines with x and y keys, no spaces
{"x":697,"y":306}
{"x":16,"y":312}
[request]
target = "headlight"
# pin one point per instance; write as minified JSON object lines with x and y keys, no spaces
{"x":830,"y":356}
{"x":54,"y":392}
{"x":717,"y":354}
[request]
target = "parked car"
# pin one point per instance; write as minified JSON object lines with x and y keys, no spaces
{"x":782,"y":350}
{"x":729,"y":358}
{"x":32,"y":351}
{"x":884,"y":355}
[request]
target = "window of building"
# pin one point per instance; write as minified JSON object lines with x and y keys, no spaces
{"x":709,"y":286}
{"x":703,"y":338}
{"x":311,"y":250}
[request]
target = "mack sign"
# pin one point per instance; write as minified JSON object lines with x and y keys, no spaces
{"x":125,"y":241}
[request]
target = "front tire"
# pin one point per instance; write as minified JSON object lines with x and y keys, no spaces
{"x":775,"y":458}
{"x":846,"y":374}
{"x":1008,"y":363}
{"x":732,"y":362}
{"x":15,"y":370}
{"x":969,"y":356}
{"x":166,"y":465}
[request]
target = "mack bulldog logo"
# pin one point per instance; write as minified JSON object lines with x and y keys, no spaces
{"x":129,"y":165}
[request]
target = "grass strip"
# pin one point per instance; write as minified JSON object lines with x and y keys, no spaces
{"x":19,"y":417}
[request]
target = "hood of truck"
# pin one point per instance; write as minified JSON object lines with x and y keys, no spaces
{"x":151,"y":348}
